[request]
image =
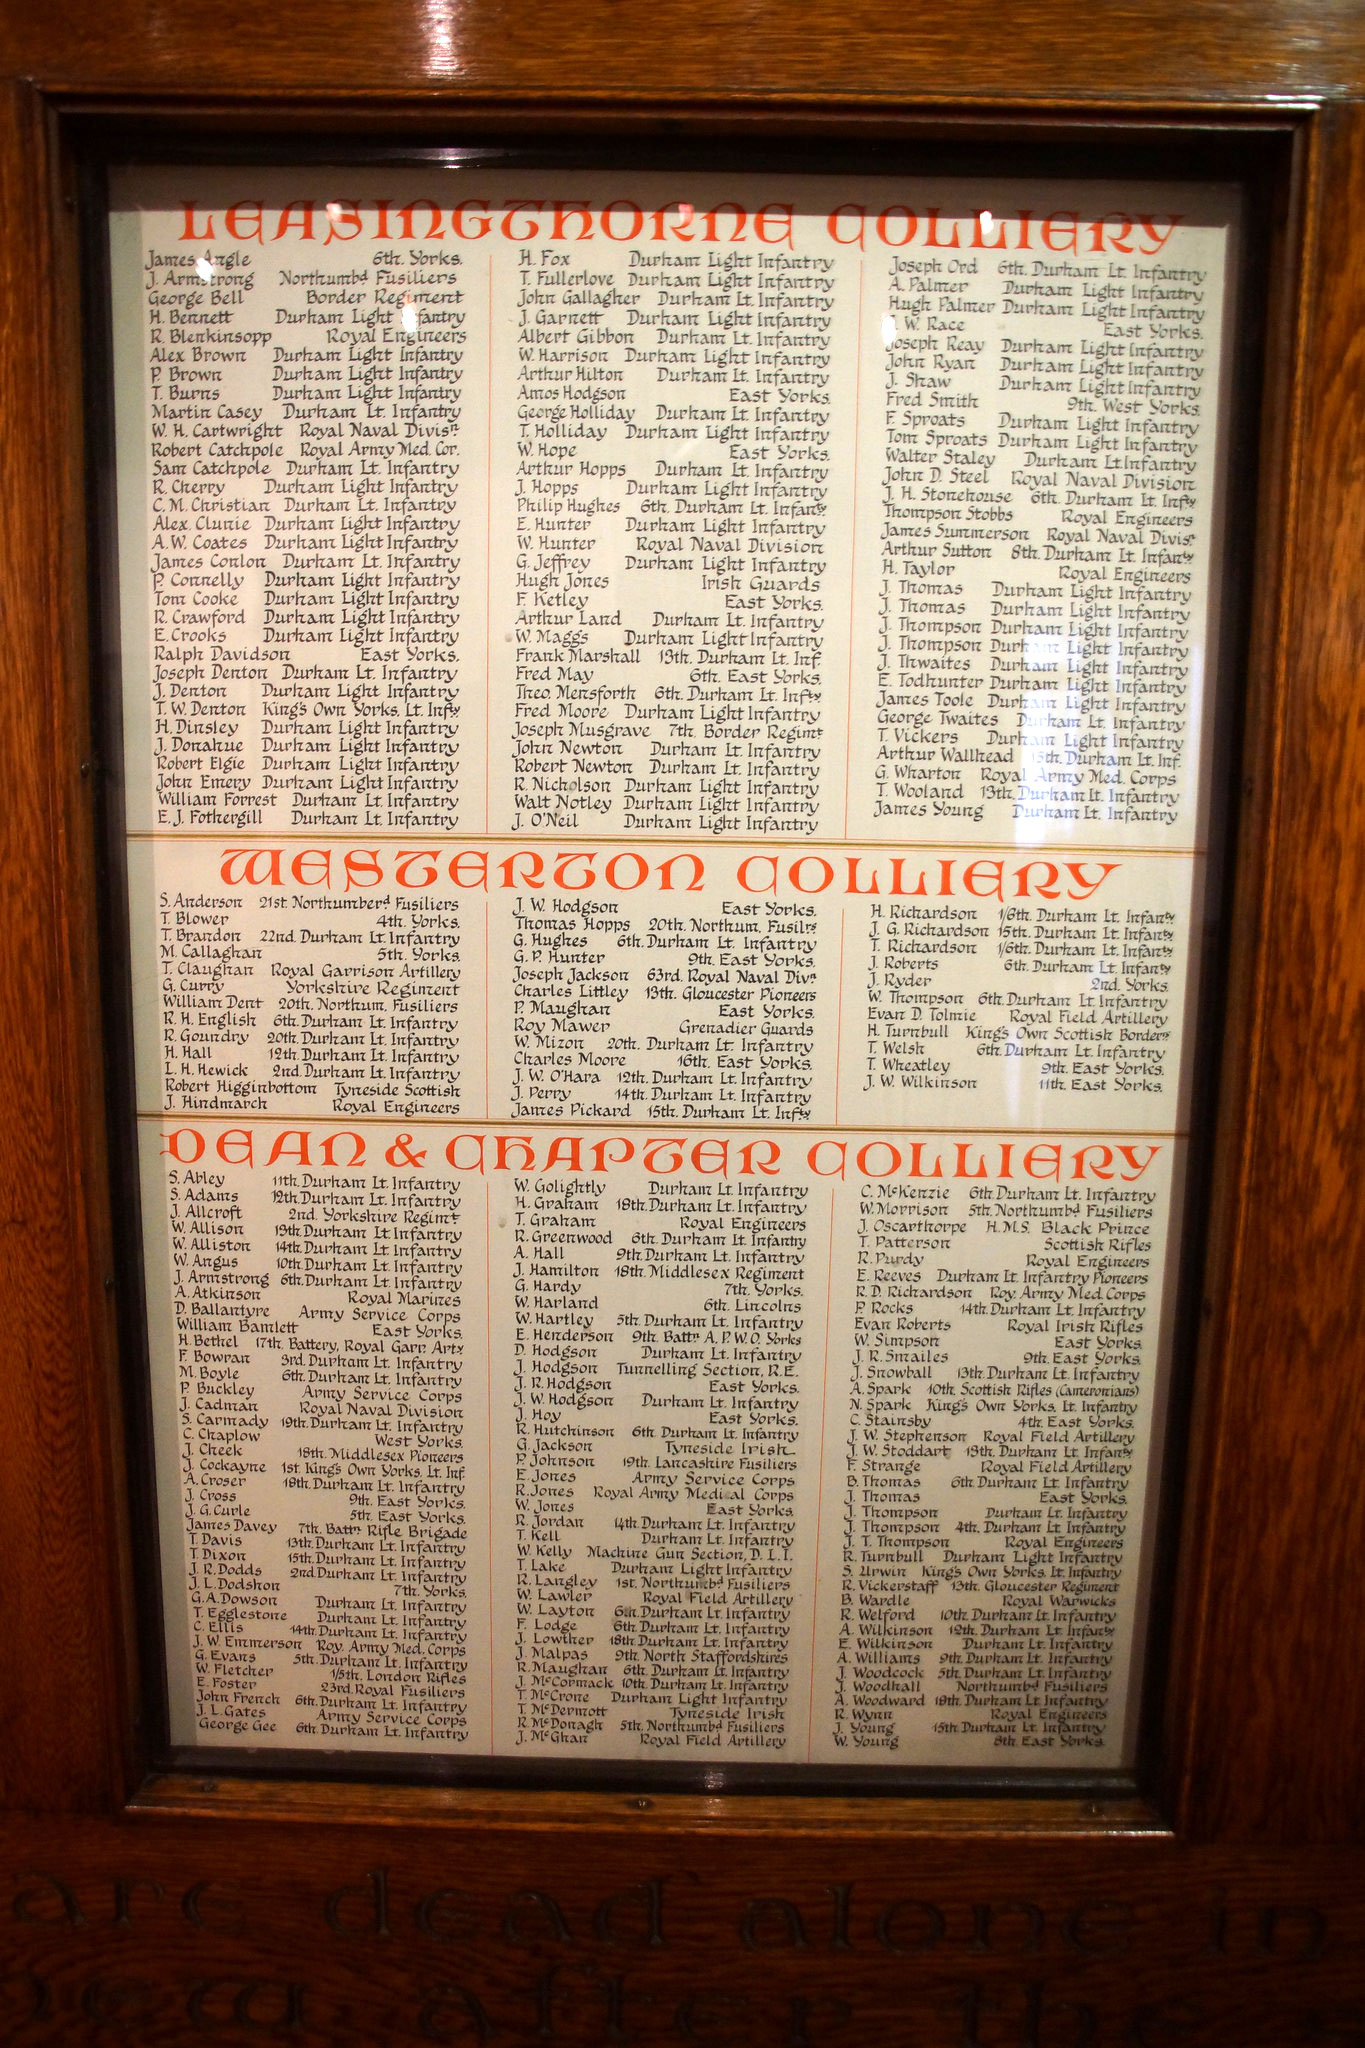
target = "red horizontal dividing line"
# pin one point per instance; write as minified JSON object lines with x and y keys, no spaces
{"x":549,"y":1123}
{"x":873,"y":845}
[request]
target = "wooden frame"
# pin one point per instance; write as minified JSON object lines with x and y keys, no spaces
{"x":1225,"y":1908}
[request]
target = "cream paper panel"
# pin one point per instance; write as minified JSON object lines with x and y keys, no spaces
{"x":743,"y":983}
{"x":930,"y":533}
{"x":718,"y":1364}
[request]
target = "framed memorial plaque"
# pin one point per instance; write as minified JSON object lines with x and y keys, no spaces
{"x":682,"y":807}
{"x":669,"y":779}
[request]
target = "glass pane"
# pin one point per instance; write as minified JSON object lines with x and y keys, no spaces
{"x":667,"y":784}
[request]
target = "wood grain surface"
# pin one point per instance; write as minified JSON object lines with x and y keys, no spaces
{"x":1273,"y":1702}
{"x":61,"y":1698}
{"x":1221,"y":1913}
{"x":356,"y":1936}
{"x":944,"y":51}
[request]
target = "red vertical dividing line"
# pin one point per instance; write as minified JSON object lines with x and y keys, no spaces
{"x":488,"y":565}
{"x":488,"y":1400}
{"x":487,"y":975}
{"x":820,"y":1483}
{"x":487,"y":668}
{"x":839,"y":1013}
{"x":853,"y":536}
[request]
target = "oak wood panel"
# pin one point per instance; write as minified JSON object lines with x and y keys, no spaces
{"x":170,"y":1931}
{"x":1277,"y":1703}
{"x":1271,"y":1652}
{"x":1218,"y":50}
{"x":179,"y":1795}
{"x":60,"y":1703}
